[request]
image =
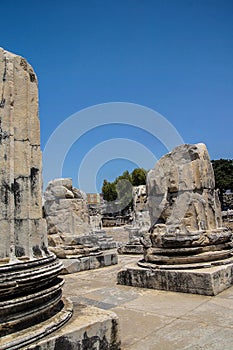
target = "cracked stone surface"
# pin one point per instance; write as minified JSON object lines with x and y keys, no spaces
{"x":185,"y":212}
{"x":31,"y":303}
{"x":154,"y":319}
{"x":68,"y":221}
{"x":21,"y":224}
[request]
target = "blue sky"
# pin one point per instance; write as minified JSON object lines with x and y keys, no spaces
{"x":173,"y":56}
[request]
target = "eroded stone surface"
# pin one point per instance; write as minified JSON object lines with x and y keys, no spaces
{"x":91,"y":262}
{"x":140,"y":224}
{"x":134,"y":245}
{"x":205,"y":281}
{"x":186,"y":248}
{"x":184,"y":209}
{"x":20,"y":160}
{"x":67,"y":216}
{"x":66,"y":209}
{"x":89,"y":329}
{"x":30,"y":290}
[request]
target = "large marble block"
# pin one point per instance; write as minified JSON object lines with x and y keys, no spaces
{"x":30,"y":289}
{"x":186,"y":240}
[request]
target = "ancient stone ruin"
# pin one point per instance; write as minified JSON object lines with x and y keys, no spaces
{"x":68,"y":220}
{"x":31,"y":303}
{"x":186,"y":249}
{"x":140,"y":223}
{"x":70,"y":235}
{"x":30,"y":289}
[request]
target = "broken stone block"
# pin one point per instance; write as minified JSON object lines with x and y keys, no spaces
{"x":186,"y":240}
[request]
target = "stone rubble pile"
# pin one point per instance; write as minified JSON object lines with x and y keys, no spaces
{"x":69,"y":231}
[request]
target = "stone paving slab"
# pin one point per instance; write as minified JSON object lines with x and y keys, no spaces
{"x":154,"y":319}
{"x":84,"y":263}
{"x":142,"y":325}
{"x":185,"y":335}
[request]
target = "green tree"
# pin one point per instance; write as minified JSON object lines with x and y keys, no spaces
{"x":223,"y":172}
{"x":125,"y":176}
{"x":120,"y":190}
{"x":138,"y":177}
{"x":109,"y":191}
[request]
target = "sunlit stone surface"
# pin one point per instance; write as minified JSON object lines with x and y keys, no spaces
{"x":30,"y":289}
{"x":140,"y":224}
{"x":70,"y":235}
{"x":185,"y":210}
{"x":32,"y":309}
{"x":186,"y":248}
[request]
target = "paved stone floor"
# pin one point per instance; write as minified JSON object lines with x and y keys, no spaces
{"x":156,"y":320}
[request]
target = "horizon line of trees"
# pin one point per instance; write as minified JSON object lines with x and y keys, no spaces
{"x":223,"y":172}
{"x":120,"y":186}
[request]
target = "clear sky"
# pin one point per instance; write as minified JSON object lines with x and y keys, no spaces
{"x":173,"y":56}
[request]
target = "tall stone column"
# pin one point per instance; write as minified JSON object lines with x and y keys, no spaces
{"x":30,"y":289}
{"x":21,"y":229}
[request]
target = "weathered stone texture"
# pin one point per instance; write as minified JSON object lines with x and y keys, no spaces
{"x":183,"y":204}
{"x":84,"y":263}
{"x":68,"y":220}
{"x":89,"y":329}
{"x":205,"y":281}
{"x":186,"y":248}
{"x":66,"y":209}
{"x":181,"y":189}
{"x":20,"y":158}
{"x":140,"y":224}
{"x":30,"y":290}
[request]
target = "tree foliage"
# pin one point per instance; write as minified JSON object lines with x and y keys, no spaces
{"x":125,"y":176}
{"x":138,"y":177}
{"x":223,"y":172}
{"x":119,"y":192}
{"x":109,"y":191}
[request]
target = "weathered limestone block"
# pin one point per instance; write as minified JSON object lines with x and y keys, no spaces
{"x":65,"y":209}
{"x":70,"y":235}
{"x":20,"y":161}
{"x":30,"y":290}
{"x":67,"y":204}
{"x":140,"y":198}
{"x":186,"y":248}
{"x":68,"y":221}
{"x":89,"y":328}
{"x":88,"y":263}
{"x":184,"y":206}
{"x":140,"y":224}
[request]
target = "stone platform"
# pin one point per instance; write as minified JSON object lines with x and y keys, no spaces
{"x":91,"y":262}
{"x":97,"y":238}
{"x":206,"y":280}
{"x":134,"y":245}
{"x":130,"y":249}
{"x":24,"y":337}
{"x":89,"y":328}
{"x":153,"y":319}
